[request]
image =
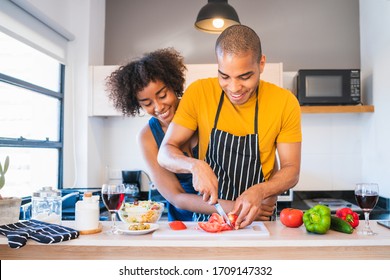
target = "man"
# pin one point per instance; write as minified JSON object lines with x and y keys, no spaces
{"x":241,"y":122}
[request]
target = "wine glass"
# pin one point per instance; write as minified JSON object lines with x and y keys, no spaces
{"x":113,"y":196}
{"x":366,"y":195}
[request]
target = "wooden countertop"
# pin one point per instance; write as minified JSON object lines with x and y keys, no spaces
{"x":282,"y":243}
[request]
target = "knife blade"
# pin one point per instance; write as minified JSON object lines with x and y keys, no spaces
{"x":223,"y":214}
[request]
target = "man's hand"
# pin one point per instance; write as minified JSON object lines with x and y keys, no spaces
{"x":251,"y":206}
{"x":268,"y":207}
{"x":204,"y":181}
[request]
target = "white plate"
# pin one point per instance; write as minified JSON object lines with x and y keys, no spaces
{"x":124,"y":229}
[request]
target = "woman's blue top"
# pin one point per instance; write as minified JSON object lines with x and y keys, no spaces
{"x":185,"y":179}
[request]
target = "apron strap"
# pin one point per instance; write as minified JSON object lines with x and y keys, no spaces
{"x":219,"y":109}
{"x":257,"y":111}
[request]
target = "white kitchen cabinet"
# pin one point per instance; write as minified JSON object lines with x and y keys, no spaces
{"x":99,"y":103}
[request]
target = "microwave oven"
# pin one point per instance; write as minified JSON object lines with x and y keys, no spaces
{"x":329,"y":87}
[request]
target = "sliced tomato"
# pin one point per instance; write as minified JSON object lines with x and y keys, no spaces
{"x":177,"y":225}
{"x":216,"y":218}
{"x":217,"y":224}
{"x":225,"y":226}
{"x":233,"y":219}
{"x":210,"y":227}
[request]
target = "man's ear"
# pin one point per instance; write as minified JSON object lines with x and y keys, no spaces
{"x":262,"y":63}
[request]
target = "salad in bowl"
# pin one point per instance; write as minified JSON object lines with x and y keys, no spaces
{"x":144,"y":211}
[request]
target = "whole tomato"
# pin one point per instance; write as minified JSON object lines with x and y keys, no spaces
{"x":291,"y":217}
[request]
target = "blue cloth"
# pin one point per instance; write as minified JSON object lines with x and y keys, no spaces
{"x":19,"y":233}
{"x":185,"y":179}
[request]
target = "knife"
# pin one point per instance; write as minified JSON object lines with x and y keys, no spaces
{"x":223,"y":214}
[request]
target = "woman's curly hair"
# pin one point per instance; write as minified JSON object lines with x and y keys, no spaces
{"x":165,"y":65}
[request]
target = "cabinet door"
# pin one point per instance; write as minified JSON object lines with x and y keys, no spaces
{"x":100,"y":104}
{"x":273,"y":73}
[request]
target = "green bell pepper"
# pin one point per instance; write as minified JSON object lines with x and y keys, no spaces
{"x":317,"y":219}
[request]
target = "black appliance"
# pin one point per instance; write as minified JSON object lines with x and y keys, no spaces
{"x":329,"y":87}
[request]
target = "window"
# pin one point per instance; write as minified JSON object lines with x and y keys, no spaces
{"x":31,"y":117}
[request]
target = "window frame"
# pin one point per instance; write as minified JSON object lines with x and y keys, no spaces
{"x":29,"y":143}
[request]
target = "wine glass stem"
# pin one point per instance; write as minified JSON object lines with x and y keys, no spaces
{"x":113,"y":220}
{"x":367,"y":220}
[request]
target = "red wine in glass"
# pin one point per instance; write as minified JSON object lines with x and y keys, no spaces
{"x":113,"y":201}
{"x":367,"y":195}
{"x":113,"y":196}
{"x":366,"y":202}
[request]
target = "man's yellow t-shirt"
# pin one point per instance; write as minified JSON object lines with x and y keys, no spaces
{"x":279,"y":117}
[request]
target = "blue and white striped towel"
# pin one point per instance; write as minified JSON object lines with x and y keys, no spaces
{"x":19,"y":233}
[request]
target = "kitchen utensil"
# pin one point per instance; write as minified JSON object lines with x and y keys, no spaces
{"x":223,"y":214}
{"x":193,"y":232}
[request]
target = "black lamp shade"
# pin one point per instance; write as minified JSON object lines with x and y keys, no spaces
{"x":216,"y":9}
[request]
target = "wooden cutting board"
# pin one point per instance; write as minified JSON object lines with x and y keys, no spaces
{"x":255,"y":230}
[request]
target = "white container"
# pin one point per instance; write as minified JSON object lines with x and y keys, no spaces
{"x":87,"y":212}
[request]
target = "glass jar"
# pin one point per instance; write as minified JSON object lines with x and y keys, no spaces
{"x":47,"y":205}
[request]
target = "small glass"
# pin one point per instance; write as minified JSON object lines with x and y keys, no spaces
{"x":367,"y":195}
{"x":113,"y":196}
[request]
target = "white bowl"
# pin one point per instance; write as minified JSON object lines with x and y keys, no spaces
{"x":145,"y":211}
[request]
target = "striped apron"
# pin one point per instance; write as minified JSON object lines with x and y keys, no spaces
{"x":235,"y":160}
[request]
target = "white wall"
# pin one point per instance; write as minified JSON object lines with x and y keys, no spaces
{"x":331,"y":151}
{"x":375,"y":60}
{"x":122,"y":148}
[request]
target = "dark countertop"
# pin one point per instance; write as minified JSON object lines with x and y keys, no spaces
{"x":380,"y":212}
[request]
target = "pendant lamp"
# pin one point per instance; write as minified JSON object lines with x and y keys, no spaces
{"x":215,"y":16}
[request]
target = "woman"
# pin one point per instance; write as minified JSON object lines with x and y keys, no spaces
{"x":154,"y":83}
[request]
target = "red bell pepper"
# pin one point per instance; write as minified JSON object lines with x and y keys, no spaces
{"x":348,"y":215}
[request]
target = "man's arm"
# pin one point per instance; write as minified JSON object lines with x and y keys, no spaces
{"x":172,"y":158}
{"x":247,"y":204}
